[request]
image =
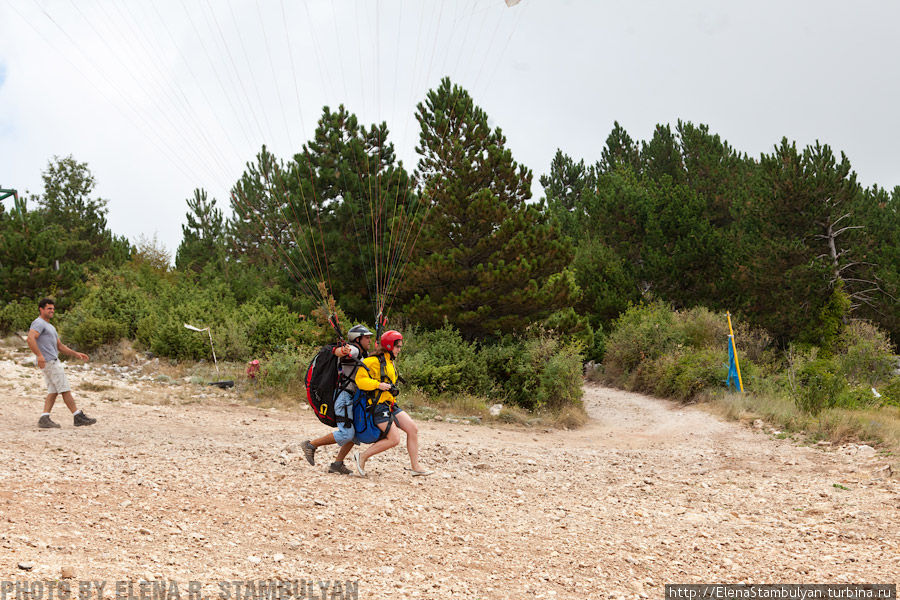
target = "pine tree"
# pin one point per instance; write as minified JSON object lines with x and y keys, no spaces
{"x":202,"y":236}
{"x":564,"y":189}
{"x":620,"y":152}
{"x":807,"y":239}
{"x":487,"y":260}
{"x":356,"y":201}
{"x":661,"y":156}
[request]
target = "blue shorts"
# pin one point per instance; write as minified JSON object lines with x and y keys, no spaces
{"x":343,"y":407}
{"x":384,"y":412}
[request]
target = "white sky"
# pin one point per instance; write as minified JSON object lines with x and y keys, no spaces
{"x":162,"y":97}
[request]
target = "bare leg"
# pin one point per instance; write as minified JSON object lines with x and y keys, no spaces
{"x":405,"y":422}
{"x":70,"y":401}
{"x":392,"y":439}
{"x":344,"y":451}
{"x":49,"y":401}
{"x":324,"y":440}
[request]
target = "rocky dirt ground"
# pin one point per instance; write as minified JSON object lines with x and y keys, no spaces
{"x":178,"y":482}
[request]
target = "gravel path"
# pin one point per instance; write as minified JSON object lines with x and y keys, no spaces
{"x":179,"y":483}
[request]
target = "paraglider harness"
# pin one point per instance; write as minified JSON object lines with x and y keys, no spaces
{"x":325,"y":380}
{"x":365,"y":406}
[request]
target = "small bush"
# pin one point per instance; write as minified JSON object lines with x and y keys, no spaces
{"x":643,"y":332}
{"x":93,"y":332}
{"x":755,"y":345}
{"x":539,"y":371}
{"x":890,"y":392}
{"x":560,"y":379}
{"x":442,"y":362}
{"x":686,"y":374}
{"x":702,"y":328}
{"x":832,"y":316}
{"x":17,"y":316}
{"x":865,"y":356}
{"x":285,"y":367}
{"x":111,"y":298}
{"x":857,"y":397}
{"x":819,"y":386}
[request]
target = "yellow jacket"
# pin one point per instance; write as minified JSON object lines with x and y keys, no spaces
{"x":366,"y":383}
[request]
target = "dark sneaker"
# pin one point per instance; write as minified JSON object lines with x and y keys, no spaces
{"x":309,"y":451}
{"x":83,"y":419}
{"x":45,"y":423}
{"x":339,"y":467}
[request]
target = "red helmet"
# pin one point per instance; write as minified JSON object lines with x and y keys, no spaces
{"x":389,"y":338}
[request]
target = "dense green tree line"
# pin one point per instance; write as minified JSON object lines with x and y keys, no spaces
{"x":789,"y":240}
{"x":686,"y":219}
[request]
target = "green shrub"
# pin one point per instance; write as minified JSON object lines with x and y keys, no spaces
{"x":537,"y":372}
{"x":702,"y":328}
{"x":112,"y":298}
{"x":92,"y":332}
{"x":231,"y":341}
{"x":819,"y":386}
{"x":755,"y":345}
{"x":890,"y":392}
{"x":571,"y":326}
{"x":686,"y":373}
{"x":170,"y":338}
{"x":285,"y":367}
{"x":857,"y":397}
{"x":643,"y":332}
{"x":560,"y":379}
{"x":825,"y":331}
{"x":865,"y":354}
{"x":252,"y":329}
{"x":442,"y":362}
{"x":17,"y":316}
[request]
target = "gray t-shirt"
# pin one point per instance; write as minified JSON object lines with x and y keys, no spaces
{"x":47,"y":338}
{"x":348,"y":367}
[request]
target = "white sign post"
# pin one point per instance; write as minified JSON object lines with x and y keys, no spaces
{"x":206,"y":329}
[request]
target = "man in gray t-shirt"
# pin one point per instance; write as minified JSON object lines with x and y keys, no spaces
{"x":350,"y":357}
{"x":46,"y":345}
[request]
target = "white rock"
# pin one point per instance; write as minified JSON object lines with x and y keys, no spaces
{"x":866,"y":450}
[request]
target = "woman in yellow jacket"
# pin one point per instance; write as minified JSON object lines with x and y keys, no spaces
{"x":387,"y":409}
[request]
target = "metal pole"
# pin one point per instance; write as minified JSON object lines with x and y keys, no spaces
{"x":216,"y":362}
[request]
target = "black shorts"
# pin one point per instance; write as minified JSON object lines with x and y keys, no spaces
{"x":384,"y":412}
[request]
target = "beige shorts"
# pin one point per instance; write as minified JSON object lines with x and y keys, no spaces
{"x":55,"y":376}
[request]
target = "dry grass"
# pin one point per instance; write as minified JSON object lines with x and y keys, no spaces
{"x":570,"y":417}
{"x":514,"y":415}
{"x":877,"y":426}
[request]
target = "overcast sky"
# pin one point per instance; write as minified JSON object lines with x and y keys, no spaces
{"x":162,"y":97}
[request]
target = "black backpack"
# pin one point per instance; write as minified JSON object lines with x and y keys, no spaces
{"x":323,"y":383}
{"x":323,"y":379}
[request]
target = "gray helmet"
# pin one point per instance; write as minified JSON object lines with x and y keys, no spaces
{"x":356,"y":332}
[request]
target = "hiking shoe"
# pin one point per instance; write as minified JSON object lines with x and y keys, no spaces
{"x":309,"y":451}
{"x":45,"y":423}
{"x":339,"y":467}
{"x":83,"y":419}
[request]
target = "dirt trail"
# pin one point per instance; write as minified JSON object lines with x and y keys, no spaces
{"x":178,"y":482}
